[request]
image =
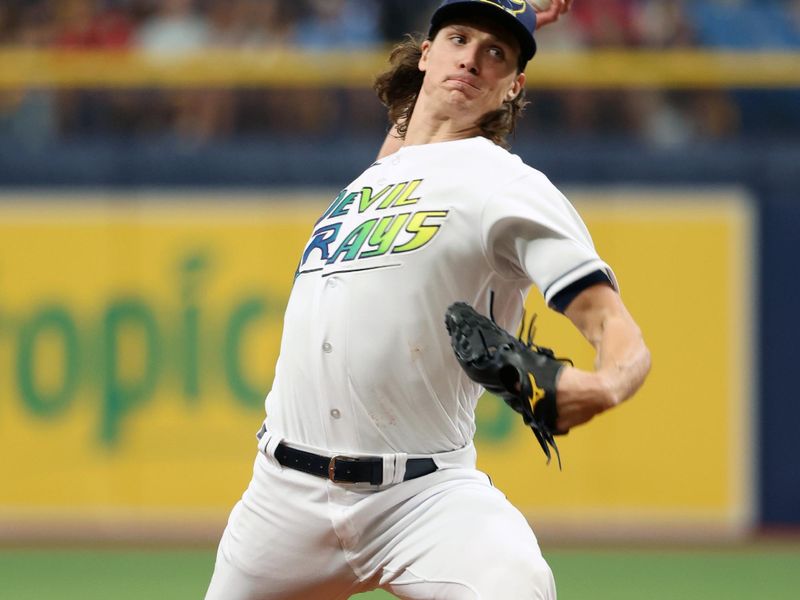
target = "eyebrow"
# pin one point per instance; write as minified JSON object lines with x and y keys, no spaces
{"x":500,"y":40}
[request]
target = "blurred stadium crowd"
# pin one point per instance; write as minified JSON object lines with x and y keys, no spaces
{"x":662,"y":118}
{"x":174,"y":25}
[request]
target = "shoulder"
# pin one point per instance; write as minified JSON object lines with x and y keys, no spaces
{"x":512,"y":178}
{"x":511,"y":170}
{"x":525,"y":194}
{"x":498,"y":156}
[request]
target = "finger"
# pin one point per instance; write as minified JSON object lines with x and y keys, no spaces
{"x":550,"y":15}
{"x":556,"y":8}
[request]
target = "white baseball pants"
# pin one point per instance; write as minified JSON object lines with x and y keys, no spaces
{"x":449,"y":535}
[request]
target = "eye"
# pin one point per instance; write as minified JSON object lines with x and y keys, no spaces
{"x":458,"y":39}
{"x":497,"y":52}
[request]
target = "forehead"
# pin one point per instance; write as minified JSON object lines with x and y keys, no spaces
{"x":485,"y":26}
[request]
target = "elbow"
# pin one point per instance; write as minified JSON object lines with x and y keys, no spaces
{"x":648,"y":363}
{"x":645,"y":360}
{"x":626,"y":379}
{"x":642,"y":360}
{"x":640,"y":371}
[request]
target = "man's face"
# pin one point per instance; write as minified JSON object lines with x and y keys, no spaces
{"x":471,"y":67}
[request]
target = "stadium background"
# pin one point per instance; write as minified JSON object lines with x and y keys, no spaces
{"x":161,"y":164}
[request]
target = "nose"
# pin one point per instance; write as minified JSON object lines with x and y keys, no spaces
{"x":469,"y":60}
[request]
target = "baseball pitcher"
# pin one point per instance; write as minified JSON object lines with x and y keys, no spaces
{"x":399,"y":317}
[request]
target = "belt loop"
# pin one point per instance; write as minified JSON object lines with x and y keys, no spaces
{"x":267,"y":443}
{"x":394,"y":467}
{"x":262,"y":438}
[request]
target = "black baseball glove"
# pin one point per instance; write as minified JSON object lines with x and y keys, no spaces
{"x":520,"y":372}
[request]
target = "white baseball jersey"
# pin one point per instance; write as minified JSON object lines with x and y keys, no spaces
{"x":365,"y":363}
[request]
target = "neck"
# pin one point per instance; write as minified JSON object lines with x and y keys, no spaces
{"x":428,"y":127}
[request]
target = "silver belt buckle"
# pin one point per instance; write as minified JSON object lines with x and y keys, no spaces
{"x":332,"y":468}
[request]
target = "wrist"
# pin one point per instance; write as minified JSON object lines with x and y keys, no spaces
{"x":606,"y":392}
{"x":586,"y":386}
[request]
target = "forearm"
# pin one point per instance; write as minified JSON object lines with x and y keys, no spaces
{"x":621,"y":367}
{"x":622,"y":364}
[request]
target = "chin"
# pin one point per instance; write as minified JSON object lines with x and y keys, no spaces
{"x":462,"y":101}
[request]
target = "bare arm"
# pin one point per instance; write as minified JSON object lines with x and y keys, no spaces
{"x":622,"y":362}
{"x":393,"y":142}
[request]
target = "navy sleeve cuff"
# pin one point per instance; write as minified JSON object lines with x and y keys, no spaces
{"x":564,"y":298}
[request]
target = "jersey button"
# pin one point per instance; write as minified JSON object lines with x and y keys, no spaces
{"x":335,"y":413}
{"x":326,"y":347}
{"x":332,"y":282}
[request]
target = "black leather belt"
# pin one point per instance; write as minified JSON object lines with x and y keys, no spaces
{"x":347,"y":469}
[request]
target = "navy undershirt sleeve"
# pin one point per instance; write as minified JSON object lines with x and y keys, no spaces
{"x":562,"y":299}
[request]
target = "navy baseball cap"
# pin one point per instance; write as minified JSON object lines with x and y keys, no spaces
{"x":516,"y":15}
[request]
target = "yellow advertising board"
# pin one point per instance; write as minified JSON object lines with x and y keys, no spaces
{"x":138,"y":337}
{"x":678,"y":459}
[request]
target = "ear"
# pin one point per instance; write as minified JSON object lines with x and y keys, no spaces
{"x":516,"y":87}
{"x":423,"y":60}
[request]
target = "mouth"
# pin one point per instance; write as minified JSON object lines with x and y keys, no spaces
{"x":464,"y":82}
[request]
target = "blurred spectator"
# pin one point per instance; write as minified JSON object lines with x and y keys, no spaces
{"x":251,"y":23}
{"x":341,"y":24}
{"x":663,"y":24}
{"x":658,"y":120}
{"x":34,"y":22}
{"x":607,"y":22}
{"x":27,"y":116}
{"x":79,"y":24}
{"x":89,"y":25}
{"x":175,"y":27}
{"x":746,"y":25}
